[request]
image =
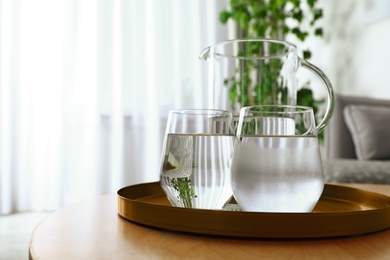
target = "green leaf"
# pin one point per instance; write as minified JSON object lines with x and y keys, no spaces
{"x":299,"y":34}
{"x":296,"y":31}
{"x":311,"y":3}
{"x":224,"y":16}
{"x":317,"y":13}
{"x":285,"y":29}
{"x":305,"y":97}
{"x":298,"y":15}
{"x":318,"y":32}
{"x":295,"y":3}
{"x":306,"y":55}
{"x":244,"y":19}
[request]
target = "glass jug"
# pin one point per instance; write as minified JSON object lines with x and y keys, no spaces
{"x":247,"y":72}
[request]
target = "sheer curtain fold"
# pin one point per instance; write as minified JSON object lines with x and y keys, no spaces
{"x":85,"y":88}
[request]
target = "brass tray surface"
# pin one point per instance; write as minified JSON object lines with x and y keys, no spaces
{"x":341,"y":211}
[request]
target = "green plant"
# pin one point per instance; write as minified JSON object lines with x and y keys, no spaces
{"x":186,"y":191}
{"x":271,"y":19}
{"x":275,"y":18}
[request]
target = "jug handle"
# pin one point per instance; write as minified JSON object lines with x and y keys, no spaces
{"x":329,"y":92}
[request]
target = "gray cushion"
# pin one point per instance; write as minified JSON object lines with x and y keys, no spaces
{"x":338,"y":139}
{"x":370,"y":130}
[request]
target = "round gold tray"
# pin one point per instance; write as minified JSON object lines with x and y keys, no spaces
{"x":341,"y":211}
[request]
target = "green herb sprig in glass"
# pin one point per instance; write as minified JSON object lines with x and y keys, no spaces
{"x":186,"y":191}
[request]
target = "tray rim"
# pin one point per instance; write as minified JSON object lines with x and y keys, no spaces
{"x":306,"y":225}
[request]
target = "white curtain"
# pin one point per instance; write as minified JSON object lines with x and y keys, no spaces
{"x":85,"y":88}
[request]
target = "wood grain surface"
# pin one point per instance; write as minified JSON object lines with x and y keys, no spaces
{"x":92,"y":229}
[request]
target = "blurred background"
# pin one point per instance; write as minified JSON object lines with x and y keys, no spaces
{"x":86,"y":86}
{"x":85,"y":90}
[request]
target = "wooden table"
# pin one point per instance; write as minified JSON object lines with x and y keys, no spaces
{"x":93,"y":230}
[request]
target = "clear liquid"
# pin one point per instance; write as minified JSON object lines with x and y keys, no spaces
{"x":196,"y":170}
{"x":277,"y":174}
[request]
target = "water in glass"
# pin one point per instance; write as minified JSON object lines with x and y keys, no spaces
{"x":196,"y":170}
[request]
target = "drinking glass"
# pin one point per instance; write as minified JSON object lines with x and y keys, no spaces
{"x":277,"y":165}
{"x":196,"y":158}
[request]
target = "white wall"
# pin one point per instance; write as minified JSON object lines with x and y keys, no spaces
{"x":355,"y":53}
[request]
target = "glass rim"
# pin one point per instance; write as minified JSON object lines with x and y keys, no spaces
{"x":200,"y":111}
{"x":294,"y":109}
{"x":290,"y":47}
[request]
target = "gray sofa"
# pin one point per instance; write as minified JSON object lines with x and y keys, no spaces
{"x":357,"y":141}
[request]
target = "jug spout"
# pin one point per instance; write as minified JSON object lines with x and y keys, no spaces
{"x":205,"y":54}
